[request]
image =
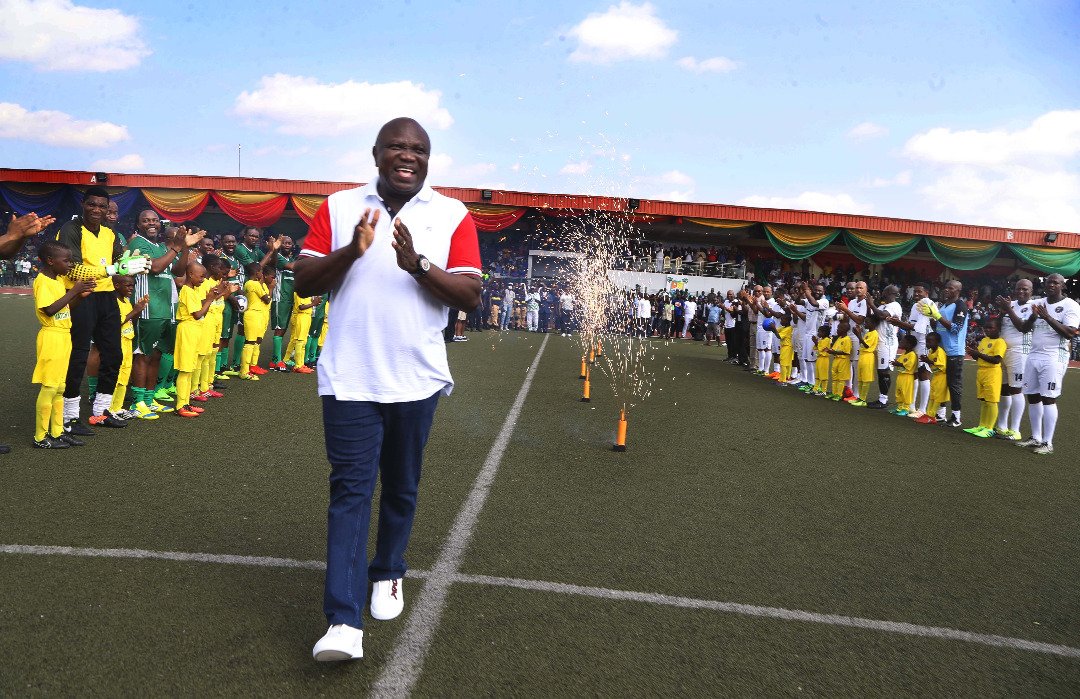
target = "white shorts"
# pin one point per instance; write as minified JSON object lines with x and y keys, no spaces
{"x":1043,"y":375}
{"x":1014,"y":368}
{"x":808,"y":347}
{"x":886,"y":354}
{"x":764,"y":344}
{"x":797,"y":345}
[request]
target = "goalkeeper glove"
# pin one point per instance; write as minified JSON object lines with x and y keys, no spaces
{"x":129,"y":264}
{"x":929,"y":309}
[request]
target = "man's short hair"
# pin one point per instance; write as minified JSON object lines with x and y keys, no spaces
{"x":96,"y":191}
{"x":51,"y":248}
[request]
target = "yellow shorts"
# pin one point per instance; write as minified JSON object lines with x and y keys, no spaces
{"x":255,"y":324}
{"x":53,"y":353}
{"x":299,"y":327}
{"x":214,"y":324}
{"x":126,"y":348}
{"x":190,"y":340}
{"x":988,"y":385}
{"x":867,"y":367}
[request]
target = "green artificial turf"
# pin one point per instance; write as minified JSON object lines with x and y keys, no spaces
{"x":731,"y":489}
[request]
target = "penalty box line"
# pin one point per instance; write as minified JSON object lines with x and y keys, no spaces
{"x":780,"y":613}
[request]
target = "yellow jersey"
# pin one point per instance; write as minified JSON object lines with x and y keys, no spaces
{"x":217,"y":306}
{"x":908,"y":361}
{"x":127,"y":329}
{"x":299,"y":301}
{"x":869,"y":342}
{"x":47,"y":292}
{"x":991,"y":348}
{"x":254,"y":292}
{"x":936,"y":359}
{"x":191,"y":301}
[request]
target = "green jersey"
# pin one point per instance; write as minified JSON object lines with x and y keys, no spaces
{"x":159,"y":287}
{"x":284,"y":289}
{"x":246,"y":255}
{"x":236,"y":267}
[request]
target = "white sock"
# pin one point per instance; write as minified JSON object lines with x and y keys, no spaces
{"x":956,"y":415}
{"x":940,"y":413}
{"x":776,"y":367}
{"x":1004,"y":409}
{"x":924,"y":394}
{"x":71,"y":409}
{"x":1035,"y":416}
{"x":102,"y":401}
{"x":1016,"y":413}
{"x":811,"y":372}
{"x":1049,"y":422}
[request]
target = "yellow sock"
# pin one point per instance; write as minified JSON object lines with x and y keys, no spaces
{"x":183,"y":388}
{"x":118,"y":398}
{"x":296,"y":349}
{"x":785,"y":373}
{"x":43,"y":410}
{"x":245,"y":358}
{"x":988,"y":415}
{"x":57,"y":423}
{"x":864,"y":390}
{"x":206,"y":374}
{"x":255,"y":354}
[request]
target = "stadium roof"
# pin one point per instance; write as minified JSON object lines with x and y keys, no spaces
{"x":555,"y":202}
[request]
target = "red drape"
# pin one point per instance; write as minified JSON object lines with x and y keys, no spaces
{"x":252,"y":209}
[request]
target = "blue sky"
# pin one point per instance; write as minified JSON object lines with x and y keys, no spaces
{"x":955,"y":111}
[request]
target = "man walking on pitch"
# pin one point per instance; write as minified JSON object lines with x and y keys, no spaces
{"x":384,"y":365}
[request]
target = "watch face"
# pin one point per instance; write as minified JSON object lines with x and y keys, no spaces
{"x":425,"y":264}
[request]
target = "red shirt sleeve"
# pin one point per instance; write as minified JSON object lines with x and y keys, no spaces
{"x":464,"y":255}
{"x":320,"y":236}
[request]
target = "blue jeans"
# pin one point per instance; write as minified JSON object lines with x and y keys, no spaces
{"x":363,"y":440}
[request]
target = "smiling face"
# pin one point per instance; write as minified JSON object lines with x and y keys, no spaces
{"x":1022,"y":290}
{"x":206,"y":246}
{"x":112,"y":215}
{"x":149,"y":225}
{"x":228,"y":244}
{"x":1054,"y":286}
{"x":401,"y":153}
{"x":94,"y":210}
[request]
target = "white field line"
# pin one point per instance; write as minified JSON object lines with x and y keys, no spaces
{"x":895,"y":627}
{"x":399,"y":676}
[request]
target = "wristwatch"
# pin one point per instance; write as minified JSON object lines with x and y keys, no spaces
{"x":423,"y":266}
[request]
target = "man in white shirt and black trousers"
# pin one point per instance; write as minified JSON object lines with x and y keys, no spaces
{"x":383,"y":365}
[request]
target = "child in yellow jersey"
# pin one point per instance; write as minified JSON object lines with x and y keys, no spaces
{"x":202,"y":380}
{"x":905,"y":379}
{"x":298,"y":331}
{"x":990,"y":354}
{"x":191,"y":310}
{"x":256,"y":319}
{"x":866,"y":371}
{"x":821,"y":364}
{"x":52,"y":304}
{"x":939,"y":385}
{"x":125,"y":286}
{"x":787,"y":349}
{"x":841,"y":358}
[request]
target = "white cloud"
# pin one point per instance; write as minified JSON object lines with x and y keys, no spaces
{"x":443,"y":171}
{"x":672,"y":185}
{"x":57,"y":128}
{"x":902,"y":179}
{"x":301,"y":106}
{"x":1052,"y":136}
{"x":264,"y":151}
{"x":132,"y":162}
{"x":717,"y":64}
{"x":866,"y":130}
{"x":1024,"y":178}
{"x":580,"y":168}
{"x":839,"y":203}
{"x":60,"y":35}
{"x":1019,"y":196}
{"x":625,"y":31}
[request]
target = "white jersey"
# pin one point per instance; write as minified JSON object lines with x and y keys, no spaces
{"x":921,"y":322}
{"x":772,"y":305}
{"x":886,"y":330}
{"x":1044,"y":339}
{"x":1015,"y":340}
{"x":815,"y":314}
{"x":729,"y":314}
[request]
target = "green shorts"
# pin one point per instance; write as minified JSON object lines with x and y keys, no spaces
{"x":228,"y":321}
{"x":281,"y":311}
{"x":149,"y":333}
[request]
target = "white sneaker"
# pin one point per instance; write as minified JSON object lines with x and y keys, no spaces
{"x":387,"y":599}
{"x":1043,"y":448}
{"x":341,"y":642}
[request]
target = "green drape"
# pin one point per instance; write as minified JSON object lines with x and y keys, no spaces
{"x":1065,"y":262}
{"x":878,"y":248}
{"x":962,"y":254}
{"x":799,"y":242}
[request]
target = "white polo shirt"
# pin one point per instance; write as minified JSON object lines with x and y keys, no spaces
{"x":384,"y":342}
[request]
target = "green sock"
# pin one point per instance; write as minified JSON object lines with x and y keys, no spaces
{"x":91,"y":381}
{"x":237,"y":348}
{"x":142,"y":397}
{"x":309,"y":349}
{"x":277,"y":349}
{"x":164,"y":370}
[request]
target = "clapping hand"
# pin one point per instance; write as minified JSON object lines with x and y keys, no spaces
{"x":364,"y":233}
{"x":407,"y":257}
{"x":1003,"y":303}
{"x":29,"y":225}
{"x":1041,"y":310}
{"x":84,"y":288}
{"x":185,"y":237}
{"x":141,"y":303}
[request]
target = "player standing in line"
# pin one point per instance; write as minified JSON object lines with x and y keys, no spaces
{"x":298,"y":333}
{"x":784,"y":331}
{"x":939,"y":387}
{"x":125,"y":286}
{"x":905,"y":378}
{"x":230,"y":334}
{"x":212,"y":325}
{"x":823,"y":344}
{"x":191,"y":312}
{"x":246,"y":253}
{"x":918,"y":324}
{"x":811,"y":316}
{"x":1014,"y":316}
{"x":155,"y":327}
{"x":868,"y":341}
{"x":855,"y":309}
{"x":990,"y":354}
{"x":1054,"y":322}
{"x":840,"y":350}
{"x":282,"y":307}
{"x":951,"y":321}
{"x":256,"y":319}
{"x":888,"y":312}
{"x":52,"y":302}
